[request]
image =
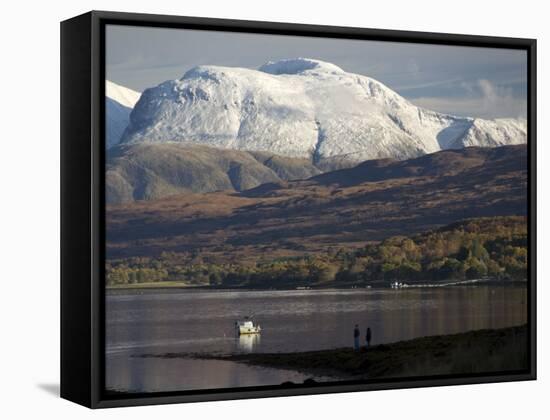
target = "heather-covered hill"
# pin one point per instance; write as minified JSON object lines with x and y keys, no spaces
{"x":349,"y":208}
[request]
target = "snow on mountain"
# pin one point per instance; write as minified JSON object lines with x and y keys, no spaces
{"x":119,"y":102}
{"x":493,"y":133}
{"x":304,"y":108}
{"x":123,"y":95}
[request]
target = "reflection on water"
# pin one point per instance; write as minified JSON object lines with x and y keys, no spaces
{"x":248,"y":342}
{"x":150,"y":321}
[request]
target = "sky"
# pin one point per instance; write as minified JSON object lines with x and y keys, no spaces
{"x":465,"y":81}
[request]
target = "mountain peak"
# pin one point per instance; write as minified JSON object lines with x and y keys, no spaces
{"x":298,"y":66}
{"x":123,"y":95}
{"x":119,"y":102}
{"x":303,"y":108}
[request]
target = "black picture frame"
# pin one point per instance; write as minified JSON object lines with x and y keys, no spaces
{"x":83,"y":204}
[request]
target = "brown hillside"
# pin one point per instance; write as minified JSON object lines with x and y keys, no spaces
{"x":370,"y":202}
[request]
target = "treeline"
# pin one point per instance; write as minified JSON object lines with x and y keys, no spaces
{"x":476,"y":248}
{"x":494,"y":247}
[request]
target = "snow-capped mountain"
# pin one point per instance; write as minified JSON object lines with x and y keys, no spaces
{"x":304,"y":108}
{"x":119,"y":102}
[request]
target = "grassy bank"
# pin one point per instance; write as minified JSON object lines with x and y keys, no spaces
{"x":152,"y":285}
{"x":375,"y":285}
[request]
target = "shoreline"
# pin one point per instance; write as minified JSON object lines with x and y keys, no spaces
{"x":472,"y":352}
{"x":478,"y":351}
{"x":169,"y":285}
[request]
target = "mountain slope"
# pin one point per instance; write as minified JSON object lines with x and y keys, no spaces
{"x":152,"y":171}
{"x":119,"y":102}
{"x":346,"y":208}
{"x":444,"y":164}
{"x":307,"y":109}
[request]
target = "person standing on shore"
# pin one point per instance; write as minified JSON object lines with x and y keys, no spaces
{"x":356,"y":335}
{"x":368,"y":337}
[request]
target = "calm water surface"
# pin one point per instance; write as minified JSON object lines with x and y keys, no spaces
{"x":155,"y":322}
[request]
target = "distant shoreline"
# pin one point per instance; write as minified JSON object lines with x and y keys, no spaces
{"x":472,"y":352}
{"x":377,"y":285}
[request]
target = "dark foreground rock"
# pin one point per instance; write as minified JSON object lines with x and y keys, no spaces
{"x":474,"y":352}
{"x":482,"y":351}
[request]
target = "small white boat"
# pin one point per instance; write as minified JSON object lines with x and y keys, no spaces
{"x":247,"y":326}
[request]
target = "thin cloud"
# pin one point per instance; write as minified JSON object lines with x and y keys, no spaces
{"x":482,"y":99}
{"x":427,"y":84}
